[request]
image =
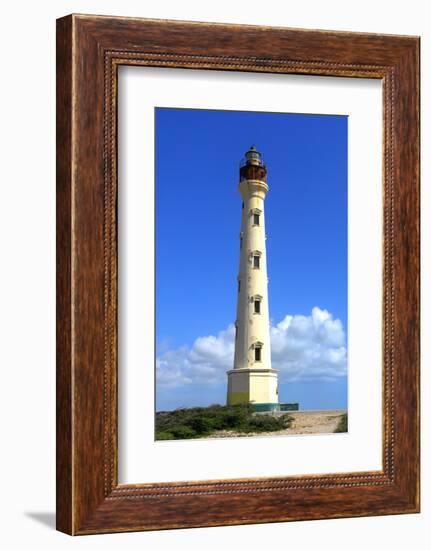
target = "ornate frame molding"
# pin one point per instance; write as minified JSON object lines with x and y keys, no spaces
{"x":90,"y":50}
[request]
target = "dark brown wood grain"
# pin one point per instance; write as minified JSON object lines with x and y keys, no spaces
{"x":64,"y":288}
{"x":89,"y":51}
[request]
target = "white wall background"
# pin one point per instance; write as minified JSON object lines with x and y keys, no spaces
{"x":27,"y":280}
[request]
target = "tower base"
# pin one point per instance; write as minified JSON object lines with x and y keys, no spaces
{"x":274,"y":407}
{"x":252,"y":385}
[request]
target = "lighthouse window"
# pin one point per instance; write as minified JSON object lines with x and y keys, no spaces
{"x":258,"y":353}
{"x":256,"y":262}
{"x":239,"y":286}
{"x":256,"y":219}
{"x":257,"y":306}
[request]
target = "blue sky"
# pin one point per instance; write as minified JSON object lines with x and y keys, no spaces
{"x":198,"y":213}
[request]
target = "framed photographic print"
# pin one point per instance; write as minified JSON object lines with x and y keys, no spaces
{"x":237,"y":274}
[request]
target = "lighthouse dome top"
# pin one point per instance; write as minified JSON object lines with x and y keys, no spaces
{"x":252,"y":166}
{"x":253,"y":157}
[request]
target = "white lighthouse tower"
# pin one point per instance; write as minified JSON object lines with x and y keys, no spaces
{"x":252,"y":380}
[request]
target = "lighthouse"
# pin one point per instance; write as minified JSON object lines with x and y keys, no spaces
{"x":252,"y":380}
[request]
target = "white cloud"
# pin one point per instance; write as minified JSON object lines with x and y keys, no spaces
{"x":303,"y":348}
{"x":309,"y":348}
{"x":205,"y":363}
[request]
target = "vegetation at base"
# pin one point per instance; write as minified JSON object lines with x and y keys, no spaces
{"x":202,"y":421}
{"x":342,"y":424}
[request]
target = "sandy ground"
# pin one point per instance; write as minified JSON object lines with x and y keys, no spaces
{"x":304,"y":422}
{"x":314,"y":422}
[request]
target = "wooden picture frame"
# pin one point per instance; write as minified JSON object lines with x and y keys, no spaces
{"x":89,"y":51}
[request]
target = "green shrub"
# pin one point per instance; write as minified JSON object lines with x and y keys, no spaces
{"x":183,"y":432}
{"x":203,"y":425}
{"x":161,"y":436}
{"x":342,"y":424}
{"x":265,"y":423}
{"x":202,"y":421}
